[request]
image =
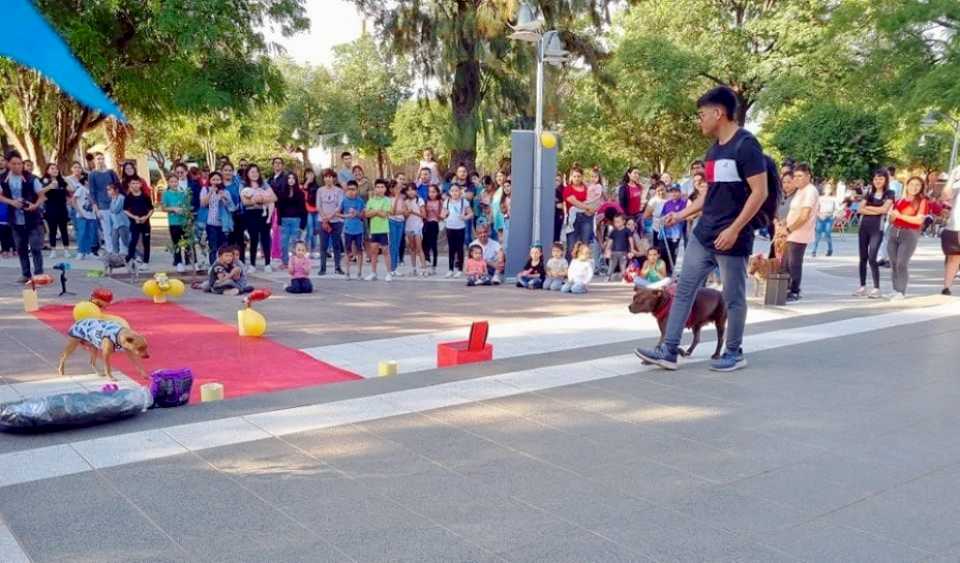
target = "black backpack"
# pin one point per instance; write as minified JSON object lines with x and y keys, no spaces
{"x":768,"y":211}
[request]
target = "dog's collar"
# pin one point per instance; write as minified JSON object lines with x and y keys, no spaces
{"x":664,"y":310}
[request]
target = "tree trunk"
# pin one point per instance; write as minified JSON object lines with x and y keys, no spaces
{"x":465,"y":98}
{"x":305,"y":155}
{"x":380,"y":161}
{"x":744,"y":103}
{"x":117,"y":136}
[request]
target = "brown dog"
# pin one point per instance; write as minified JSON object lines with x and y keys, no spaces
{"x":759,"y":269}
{"x":708,"y":307}
{"x":102,"y":338}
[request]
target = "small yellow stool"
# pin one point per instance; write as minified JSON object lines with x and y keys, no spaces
{"x":388,"y":368}
{"x":211,"y":392}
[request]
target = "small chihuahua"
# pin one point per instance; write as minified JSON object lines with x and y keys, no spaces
{"x":102,"y":337}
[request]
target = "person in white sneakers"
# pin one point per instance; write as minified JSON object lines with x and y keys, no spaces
{"x":493,"y":253}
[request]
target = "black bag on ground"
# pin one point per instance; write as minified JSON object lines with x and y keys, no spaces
{"x":72,"y":410}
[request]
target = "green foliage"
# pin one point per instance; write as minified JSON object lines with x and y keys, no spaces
{"x":752,"y":46}
{"x":374,"y":85}
{"x":462,"y":47}
{"x":317,"y":108}
{"x":910,"y":51}
{"x":842,"y":142}
{"x":927,"y":150}
{"x":155,"y":58}
{"x":419,"y":124}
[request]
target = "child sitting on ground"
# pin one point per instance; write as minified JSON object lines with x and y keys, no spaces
{"x":533,"y":272}
{"x":476,"y":267}
{"x":653,"y":273}
{"x":580,"y":271}
{"x":221,"y":282}
{"x":556,"y":269}
{"x":299,"y":269}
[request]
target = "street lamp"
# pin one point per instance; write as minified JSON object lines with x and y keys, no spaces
{"x":930,"y":120}
{"x":549,"y":50}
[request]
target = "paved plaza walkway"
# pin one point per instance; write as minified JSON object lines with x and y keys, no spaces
{"x":837,"y":443}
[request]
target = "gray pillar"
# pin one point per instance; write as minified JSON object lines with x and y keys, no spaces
{"x":521,"y":204}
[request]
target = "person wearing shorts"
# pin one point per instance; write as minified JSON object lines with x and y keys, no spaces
{"x":950,"y":237}
{"x":413,"y":229}
{"x":377,"y":210}
{"x":351,"y":211}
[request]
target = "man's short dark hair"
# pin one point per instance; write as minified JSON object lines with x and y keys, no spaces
{"x":275,"y":159}
{"x":721,"y":96}
{"x":803,"y":167}
{"x":345,"y":154}
{"x":696,"y":163}
{"x":380,"y":181}
{"x":181,"y":165}
{"x":352,"y":184}
{"x":892,"y":170}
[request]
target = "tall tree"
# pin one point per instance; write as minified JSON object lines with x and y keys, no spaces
{"x":843,"y":142}
{"x":748,"y":45}
{"x":153,"y":58}
{"x":419,"y":124}
{"x":909,"y":51}
{"x":317,"y":107}
{"x":462,"y":46}
{"x":374,"y":85}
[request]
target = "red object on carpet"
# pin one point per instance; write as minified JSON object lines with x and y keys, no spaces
{"x":180,"y":338}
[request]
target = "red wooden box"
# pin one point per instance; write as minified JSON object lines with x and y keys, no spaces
{"x":473,"y":350}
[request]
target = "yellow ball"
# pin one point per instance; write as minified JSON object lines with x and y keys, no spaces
{"x":176,"y":288}
{"x":85,"y":310}
{"x":254,"y":324}
{"x":151,"y":288}
{"x":548,"y":140}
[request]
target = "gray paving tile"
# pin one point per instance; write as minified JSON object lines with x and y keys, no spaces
{"x":725,"y":508}
{"x":274,"y":470}
{"x":193,"y":503}
{"x":933,"y":529}
{"x":359,"y":453}
{"x":440,"y":442}
{"x":648,"y":480}
{"x":470,"y":508}
{"x":409,"y":544}
{"x":817,"y":541}
{"x":665,"y":535}
{"x":575,"y":548}
{"x":79,"y":518}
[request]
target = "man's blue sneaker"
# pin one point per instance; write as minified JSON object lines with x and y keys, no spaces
{"x":729,"y":361}
{"x":659,"y":356}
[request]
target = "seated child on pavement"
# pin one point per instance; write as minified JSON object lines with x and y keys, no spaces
{"x":556,"y":269}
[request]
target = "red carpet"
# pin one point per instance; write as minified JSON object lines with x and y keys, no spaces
{"x":181,"y":338}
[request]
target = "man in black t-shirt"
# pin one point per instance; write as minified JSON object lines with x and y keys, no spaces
{"x":736,"y":174}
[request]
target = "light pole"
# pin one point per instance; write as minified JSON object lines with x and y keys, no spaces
{"x":932,"y":119}
{"x":549,"y":50}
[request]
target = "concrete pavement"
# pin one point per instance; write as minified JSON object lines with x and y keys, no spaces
{"x":838,"y":443}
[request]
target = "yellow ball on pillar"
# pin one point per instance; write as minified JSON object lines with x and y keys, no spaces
{"x":548,"y":140}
